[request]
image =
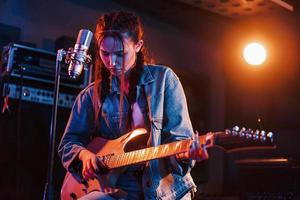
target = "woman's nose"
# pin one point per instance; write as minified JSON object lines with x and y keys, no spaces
{"x":112,"y":60}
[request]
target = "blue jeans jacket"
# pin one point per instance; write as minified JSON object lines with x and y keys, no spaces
{"x":161,"y":92}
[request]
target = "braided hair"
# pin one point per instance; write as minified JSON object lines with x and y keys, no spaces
{"x":114,"y":24}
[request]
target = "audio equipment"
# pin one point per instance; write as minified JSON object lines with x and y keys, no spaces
{"x":19,"y":61}
{"x":37,"y":95}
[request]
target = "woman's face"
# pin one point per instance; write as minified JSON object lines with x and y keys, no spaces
{"x":111,"y":53}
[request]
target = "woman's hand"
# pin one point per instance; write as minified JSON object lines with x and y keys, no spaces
{"x":90,"y":164}
{"x":197,"y":151}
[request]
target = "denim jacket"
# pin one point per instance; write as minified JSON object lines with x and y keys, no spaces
{"x":169,"y":121}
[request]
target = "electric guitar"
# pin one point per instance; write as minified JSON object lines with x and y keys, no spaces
{"x":130,"y":149}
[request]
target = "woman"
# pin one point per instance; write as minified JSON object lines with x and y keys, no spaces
{"x":128,"y":94}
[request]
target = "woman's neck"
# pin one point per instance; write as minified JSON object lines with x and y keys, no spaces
{"x":126,"y":85}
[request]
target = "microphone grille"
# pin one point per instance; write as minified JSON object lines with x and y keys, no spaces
{"x":84,"y":37}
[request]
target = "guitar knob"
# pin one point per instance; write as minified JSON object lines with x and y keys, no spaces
{"x":263,"y":133}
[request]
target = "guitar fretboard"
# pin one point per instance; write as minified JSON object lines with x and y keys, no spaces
{"x":147,"y":154}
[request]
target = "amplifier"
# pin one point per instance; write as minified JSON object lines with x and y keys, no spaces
{"x":37,"y":95}
{"x":19,"y":61}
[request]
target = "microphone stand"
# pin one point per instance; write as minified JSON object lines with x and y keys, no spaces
{"x":49,"y":188}
{"x":67,"y":57}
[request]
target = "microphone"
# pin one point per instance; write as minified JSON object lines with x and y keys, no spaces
{"x":78,"y":56}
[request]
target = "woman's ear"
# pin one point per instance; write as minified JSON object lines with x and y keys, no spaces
{"x":139,"y":45}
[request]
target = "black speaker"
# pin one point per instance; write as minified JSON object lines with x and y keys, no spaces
{"x":24,"y":141}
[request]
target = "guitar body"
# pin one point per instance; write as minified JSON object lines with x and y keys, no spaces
{"x":73,"y":188}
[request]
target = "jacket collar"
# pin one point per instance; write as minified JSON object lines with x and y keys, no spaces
{"x":147,"y":77}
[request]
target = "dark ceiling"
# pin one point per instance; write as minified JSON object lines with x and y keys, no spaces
{"x":189,"y":13}
{"x":241,"y":8}
{"x":231,"y":9}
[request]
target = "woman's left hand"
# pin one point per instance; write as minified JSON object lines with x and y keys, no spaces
{"x":197,"y":151}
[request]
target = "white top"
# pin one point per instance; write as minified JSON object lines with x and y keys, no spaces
{"x":138,"y":120}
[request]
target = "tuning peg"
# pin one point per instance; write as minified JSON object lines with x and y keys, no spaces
{"x":262,"y":136}
{"x":249,"y":136}
{"x":236,"y":128}
{"x":249,"y":133}
{"x":227,"y":132}
{"x":241,"y":133}
{"x":270,"y":135}
{"x":256,"y":135}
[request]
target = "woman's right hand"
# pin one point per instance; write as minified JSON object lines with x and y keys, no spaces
{"x":90,"y":164}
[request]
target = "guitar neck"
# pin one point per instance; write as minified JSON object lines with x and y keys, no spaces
{"x":228,"y":140}
{"x":151,"y":153}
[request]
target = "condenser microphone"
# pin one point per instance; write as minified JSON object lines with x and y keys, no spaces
{"x":78,"y":56}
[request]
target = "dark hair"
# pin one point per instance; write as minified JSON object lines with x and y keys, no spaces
{"x":114,"y":24}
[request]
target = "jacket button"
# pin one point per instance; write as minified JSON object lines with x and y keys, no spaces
{"x":148,"y":183}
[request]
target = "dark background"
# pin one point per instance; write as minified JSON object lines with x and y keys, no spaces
{"x":202,"y":42}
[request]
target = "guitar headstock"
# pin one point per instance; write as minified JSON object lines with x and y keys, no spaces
{"x":250,"y":134}
{"x":241,"y":139}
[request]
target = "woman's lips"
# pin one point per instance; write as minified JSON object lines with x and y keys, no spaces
{"x":115,"y":70}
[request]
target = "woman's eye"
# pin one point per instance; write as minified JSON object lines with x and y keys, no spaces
{"x":104,"y":53}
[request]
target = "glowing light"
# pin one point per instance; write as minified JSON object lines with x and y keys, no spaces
{"x":255,"y":54}
{"x":136,"y":132}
